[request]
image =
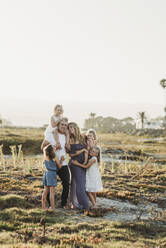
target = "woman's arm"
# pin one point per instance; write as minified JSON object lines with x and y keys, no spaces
{"x":92,"y":161}
{"x":86,"y":157}
{"x":78,"y":152}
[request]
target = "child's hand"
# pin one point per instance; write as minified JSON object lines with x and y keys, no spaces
{"x":62,"y":158}
{"x":58,"y":146}
{"x":67,"y":131}
{"x":68,"y":147}
{"x":85,"y":150}
{"x":54,"y":148}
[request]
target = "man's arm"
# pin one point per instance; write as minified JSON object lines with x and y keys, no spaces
{"x":59,"y":163}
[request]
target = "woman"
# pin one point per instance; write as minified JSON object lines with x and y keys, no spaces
{"x":78,"y":152}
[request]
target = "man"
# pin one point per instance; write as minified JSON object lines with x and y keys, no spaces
{"x":63,"y":173}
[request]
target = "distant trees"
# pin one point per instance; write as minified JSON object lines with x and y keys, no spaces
{"x":4,"y":122}
{"x":109,"y":124}
{"x":163,"y":83}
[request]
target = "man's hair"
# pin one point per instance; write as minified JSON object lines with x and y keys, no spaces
{"x":65,"y":119}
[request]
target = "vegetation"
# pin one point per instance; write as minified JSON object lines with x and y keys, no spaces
{"x":163,"y":85}
{"x":24,"y":224}
{"x":29,"y":138}
{"x":110,"y":124}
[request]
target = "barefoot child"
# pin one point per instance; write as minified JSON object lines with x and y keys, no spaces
{"x":50,"y":176}
{"x":93,"y":177}
{"x":51,"y":133}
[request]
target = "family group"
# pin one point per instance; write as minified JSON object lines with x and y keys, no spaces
{"x":81,"y":175}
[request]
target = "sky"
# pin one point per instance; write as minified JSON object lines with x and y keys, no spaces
{"x":96,"y":56}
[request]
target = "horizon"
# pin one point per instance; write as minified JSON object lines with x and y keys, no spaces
{"x":93,"y":53}
{"x":37,"y":113}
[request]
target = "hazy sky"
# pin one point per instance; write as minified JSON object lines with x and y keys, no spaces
{"x":105,"y":52}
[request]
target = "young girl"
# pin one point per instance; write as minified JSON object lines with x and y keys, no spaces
{"x":93,"y":178}
{"x":50,"y":176}
{"x":51,"y":133}
{"x":91,"y":139}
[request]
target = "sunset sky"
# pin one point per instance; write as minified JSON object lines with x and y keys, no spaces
{"x":92,"y":56}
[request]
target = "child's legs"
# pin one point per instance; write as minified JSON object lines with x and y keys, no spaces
{"x":56,"y":137}
{"x":91,"y":198}
{"x":44,"y":196}
{"x":94,"y":196}
{"x":52,"y":194}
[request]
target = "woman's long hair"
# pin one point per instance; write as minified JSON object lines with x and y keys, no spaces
{"x":77,"y":137}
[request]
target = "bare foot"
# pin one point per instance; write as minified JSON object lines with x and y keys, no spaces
{"x":72,"y":207}
{"x":65,"y":207}
{"x":45,"y":209}
{"x":51,"y":209}
{"x":93,"y":206}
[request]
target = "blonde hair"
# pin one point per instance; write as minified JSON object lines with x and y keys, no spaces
{"x":92,"y":131}
{"x":58,"y":106}
{"x":77,"y":135}
{"x":98,"y":150}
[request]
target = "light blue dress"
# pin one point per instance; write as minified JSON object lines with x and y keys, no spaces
{"x":50,"y":175}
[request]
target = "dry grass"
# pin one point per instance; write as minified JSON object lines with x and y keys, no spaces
{"x":24,"y":224}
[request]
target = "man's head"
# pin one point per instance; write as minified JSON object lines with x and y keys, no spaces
{"x":62,"y":125}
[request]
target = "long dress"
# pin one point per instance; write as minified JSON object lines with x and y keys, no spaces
{"x":78,"y":194}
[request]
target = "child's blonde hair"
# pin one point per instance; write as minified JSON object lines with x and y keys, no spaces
{"x":98,"y":153}
{"x":92,"y":131}
{"x":58,"y":106}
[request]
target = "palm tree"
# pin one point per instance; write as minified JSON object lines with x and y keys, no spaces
{"x":142,"y":117}
{"x":163,"y":85}
{"x":92,"y":115}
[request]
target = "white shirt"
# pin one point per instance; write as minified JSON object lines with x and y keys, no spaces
{"x":62,"y":152}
